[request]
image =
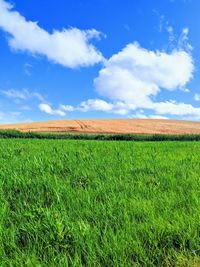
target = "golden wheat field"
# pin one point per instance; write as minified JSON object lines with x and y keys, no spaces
{"x":140,"y":126}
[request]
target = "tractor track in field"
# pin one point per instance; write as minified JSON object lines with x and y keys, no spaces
{"x":86,"y":127}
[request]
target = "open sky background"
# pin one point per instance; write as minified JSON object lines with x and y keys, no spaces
{"x":99,"y":59}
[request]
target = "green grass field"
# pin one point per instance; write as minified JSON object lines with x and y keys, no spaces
{"x":99,"y":203}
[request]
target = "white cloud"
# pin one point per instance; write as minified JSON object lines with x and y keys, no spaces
{"x":67,"y":108}
{"x":174,"y":108}
{"x":183,"y":40}
{"x":158,"y":117}
{"x":170,"y":31}
{"x":135,"y":74}
{"x":160,"y":109}
{"x":101,"y":105}
{"x":69,"y":47}
{"x":142,"y":115}
{"x":49,"y":110}
{"x":132,"y":79}
{"x":97,"y":105}
{"x":197,"y":97}
{"x":22,"y":94}
{"x":186,"y":90}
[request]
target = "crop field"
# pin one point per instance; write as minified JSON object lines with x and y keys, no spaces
{"x":99,"y":203}
{"x":112,"y":126}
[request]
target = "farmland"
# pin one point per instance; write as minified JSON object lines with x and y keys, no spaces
{"x":99,"y":203}
{"x":111,"y":126}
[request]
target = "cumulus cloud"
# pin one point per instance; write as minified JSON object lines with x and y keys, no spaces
{"x":102,"y":105}
{"x":85,"y":106}
{"x":131,"y":80}
{"x":70,"y":47}
{"x":49,"y":110}
{"x":122,"y":108}
{"x":135,"y":76}
{"x":178,"y":109}
{"x":98,"y":105}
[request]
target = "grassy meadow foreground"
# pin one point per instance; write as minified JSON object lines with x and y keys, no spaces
{"x":99,"y":203}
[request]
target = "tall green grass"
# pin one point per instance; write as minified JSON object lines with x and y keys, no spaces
{"x":97,"y":136}
{"x":90,"y":203}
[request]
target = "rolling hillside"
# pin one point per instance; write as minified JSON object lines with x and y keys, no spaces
{"x":140,"y":126}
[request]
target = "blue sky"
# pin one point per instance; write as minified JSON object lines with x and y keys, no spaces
{"x":99,"y":59}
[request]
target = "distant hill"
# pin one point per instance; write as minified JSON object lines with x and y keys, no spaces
{"x":139,"y":126}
